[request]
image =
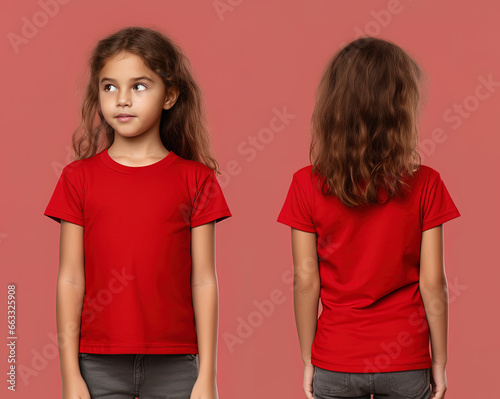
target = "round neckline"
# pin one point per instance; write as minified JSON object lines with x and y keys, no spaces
{"x":137,"y":170}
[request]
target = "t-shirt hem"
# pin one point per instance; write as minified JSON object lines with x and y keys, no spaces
{"x":58,"y":215}
{"x":454,"y":213}
{"x":371,"y":368}
{"x":295,"y":224}
{"x":154,"y":349}
{"x":218,"y":216}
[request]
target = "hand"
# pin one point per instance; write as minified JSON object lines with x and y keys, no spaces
{"x":308,"y":379}
{"x":438,"y":381}
{"x":75,"y":388}
{"x":204,"y":388}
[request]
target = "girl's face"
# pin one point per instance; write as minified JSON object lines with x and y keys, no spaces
{"x":128,"y":86}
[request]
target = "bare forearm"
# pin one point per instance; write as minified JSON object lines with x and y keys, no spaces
{"x":205,"y":305}
{"x":306,"y":299}
{"x":435,"y":299}
{"x":69,"y":303}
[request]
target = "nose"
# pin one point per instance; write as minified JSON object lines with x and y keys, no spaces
{"x":123,"y":99}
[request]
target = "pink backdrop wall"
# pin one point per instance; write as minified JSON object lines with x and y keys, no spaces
{"x":252,"y":60}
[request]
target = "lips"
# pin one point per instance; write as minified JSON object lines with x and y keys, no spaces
{"x":123,"y":115}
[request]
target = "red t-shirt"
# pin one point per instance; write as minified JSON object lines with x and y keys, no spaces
{"x":373,"y":317}
{"x":137,"y":240}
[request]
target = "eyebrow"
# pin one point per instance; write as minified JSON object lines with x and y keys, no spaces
{"x":131,"y":79}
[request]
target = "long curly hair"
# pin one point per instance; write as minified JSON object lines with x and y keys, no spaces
{"x":364,"y":123}
{"x":183,"y":128}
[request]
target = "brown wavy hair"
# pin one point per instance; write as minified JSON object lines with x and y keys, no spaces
{"x":183,"y":128}
{"x":364,"y":123}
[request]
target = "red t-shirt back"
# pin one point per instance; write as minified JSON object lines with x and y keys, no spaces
{"x":137,"y":243}
{"x":373,"y":317}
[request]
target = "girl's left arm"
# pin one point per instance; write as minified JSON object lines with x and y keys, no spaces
{"x":204,"y":288}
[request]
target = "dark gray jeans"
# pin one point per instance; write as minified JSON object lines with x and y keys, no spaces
{"x":139,"y":375}
{"x":410,"y":384}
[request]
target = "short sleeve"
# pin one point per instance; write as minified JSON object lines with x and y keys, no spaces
{"x":296,"y":210}
{"x":66,"y":201}
{"x":209,"y":203}
{"x":438,"y":207}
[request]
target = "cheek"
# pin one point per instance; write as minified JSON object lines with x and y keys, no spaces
{"x":107,"y":111}
{"x":147,"y":106}
{"x":106,"y":104}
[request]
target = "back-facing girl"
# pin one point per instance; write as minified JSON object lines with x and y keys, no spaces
{"x":367,"y":235}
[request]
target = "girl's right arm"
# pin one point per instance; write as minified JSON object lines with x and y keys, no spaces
{"x":434,"y":292}
{"x":69,"y":303}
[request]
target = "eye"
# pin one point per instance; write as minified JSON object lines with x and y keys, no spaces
{"x":141,"y":84}
{"x":107,"y":86}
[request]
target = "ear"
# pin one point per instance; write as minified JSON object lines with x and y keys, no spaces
{"x":171,"y":97}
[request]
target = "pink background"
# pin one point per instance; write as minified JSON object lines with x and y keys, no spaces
{"x":257,"y":57}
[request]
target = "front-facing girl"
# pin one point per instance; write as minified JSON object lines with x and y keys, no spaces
{"x":137,"y":294}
